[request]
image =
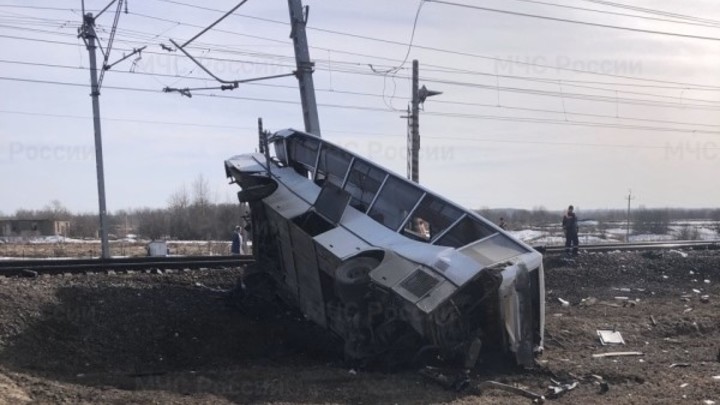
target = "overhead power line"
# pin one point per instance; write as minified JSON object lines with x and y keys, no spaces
{"x":566,"y":82}
{"x":342,"y":131}
{"x":376,"y":109}
{"x":586,"y":97}
{"x":653,"y":11}
{"x":563,"y":95}
{"x":441,"y":50}
{"x":366,"y":94}
{"x":638,"y":16}
{"x":685,"y":85}
{"x":567,"y":20}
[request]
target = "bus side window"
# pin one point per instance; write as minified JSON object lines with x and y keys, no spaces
{"x":431,"y":217}
{"x":333,"y":165}
{"x":363,"y":183}
{"x":395,"y":201}
{"x":467,"y":230}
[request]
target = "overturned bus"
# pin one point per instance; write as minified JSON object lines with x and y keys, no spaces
{"x":390,"y":267}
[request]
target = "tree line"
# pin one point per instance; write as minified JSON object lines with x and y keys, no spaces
{"x":190,"y":214}
{"x":642,"y":220}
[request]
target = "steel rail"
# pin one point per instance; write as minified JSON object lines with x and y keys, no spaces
{"x":26,"y":267}
{"x":609,"y":247}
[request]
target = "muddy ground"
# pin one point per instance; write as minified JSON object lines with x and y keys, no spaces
{"x":175,"y":338}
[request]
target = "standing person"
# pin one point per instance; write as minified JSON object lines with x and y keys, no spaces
{"x":570,"y":226}
{"x":502,"y":224}
{"x":237,"y":242}
{"x":237,"y":249}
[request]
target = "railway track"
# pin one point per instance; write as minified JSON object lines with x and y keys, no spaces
{"x":693,"y":245}
{"x":31,"y":267}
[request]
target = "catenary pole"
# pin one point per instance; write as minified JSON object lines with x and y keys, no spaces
{"x":414,"y":149}
{"x":89,"y":35}
{"x":298,"y":21}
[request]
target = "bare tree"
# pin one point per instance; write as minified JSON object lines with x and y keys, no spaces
{"x":655,"y":221}
{"x":201,"y":192}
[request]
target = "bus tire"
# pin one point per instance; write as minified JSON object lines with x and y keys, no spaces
{"x":353,"y":277}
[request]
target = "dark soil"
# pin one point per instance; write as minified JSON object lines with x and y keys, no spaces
{"x":177,"y":338}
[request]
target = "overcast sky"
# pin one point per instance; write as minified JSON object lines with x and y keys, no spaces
{"x":492,"y":139}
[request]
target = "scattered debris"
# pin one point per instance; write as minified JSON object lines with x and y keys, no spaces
{"x":696,"y":291}
{"x":558,"y":389}
{"x":563,"y":302}
{"x":683,"y":385}
{"x":28,"y":273}
{"x":679,"y":365}
{"x":352,"y":371}
{"x":622,"y":298}
{"x":706,"y":281}
{"x":589,"y":301}
{"x":682,"y":254}
{"x":709,"y":402}
{"x":457,"y":383}
{"x":536,"y":398}
{"x":653,"y":321}
{"x":687,"y":310}
{"x":705,"y":299}
{"x":716,"y":377}
{"x":617,"y":354}
{"x":610,"y":337}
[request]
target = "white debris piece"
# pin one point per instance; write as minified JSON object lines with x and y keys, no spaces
{"x":682,"y":254}
{"x":706,"y":281}
{"x":563,"y":302}
{"x":610,"y":337}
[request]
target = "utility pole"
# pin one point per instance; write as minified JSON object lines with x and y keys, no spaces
{"x":419,"y":95}
{"x":298,"y":20}
{"x":627,"y":229}
{"x":88,"y":34}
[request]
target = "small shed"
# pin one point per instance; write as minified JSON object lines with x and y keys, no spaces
{"x":157,"y":248}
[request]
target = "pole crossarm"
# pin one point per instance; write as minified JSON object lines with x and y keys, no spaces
{"x":187,"y":91}
{"x":228,"y":84}
{"x":134,"y":52}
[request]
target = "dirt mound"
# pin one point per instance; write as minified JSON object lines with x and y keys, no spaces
{"x":11,"y":393}
{"x":179,"y":338}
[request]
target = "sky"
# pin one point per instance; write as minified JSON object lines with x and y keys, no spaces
{"x":533,"y":112}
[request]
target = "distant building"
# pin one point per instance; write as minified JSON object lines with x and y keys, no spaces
{"x":33,"y":227}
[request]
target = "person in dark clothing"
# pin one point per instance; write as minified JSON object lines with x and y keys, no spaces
{"x":502,"y":224}
{"x":570,"y":226}
{"x":236,"y":247}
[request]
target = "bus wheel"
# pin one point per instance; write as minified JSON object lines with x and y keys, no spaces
{"x":353,"y":277}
